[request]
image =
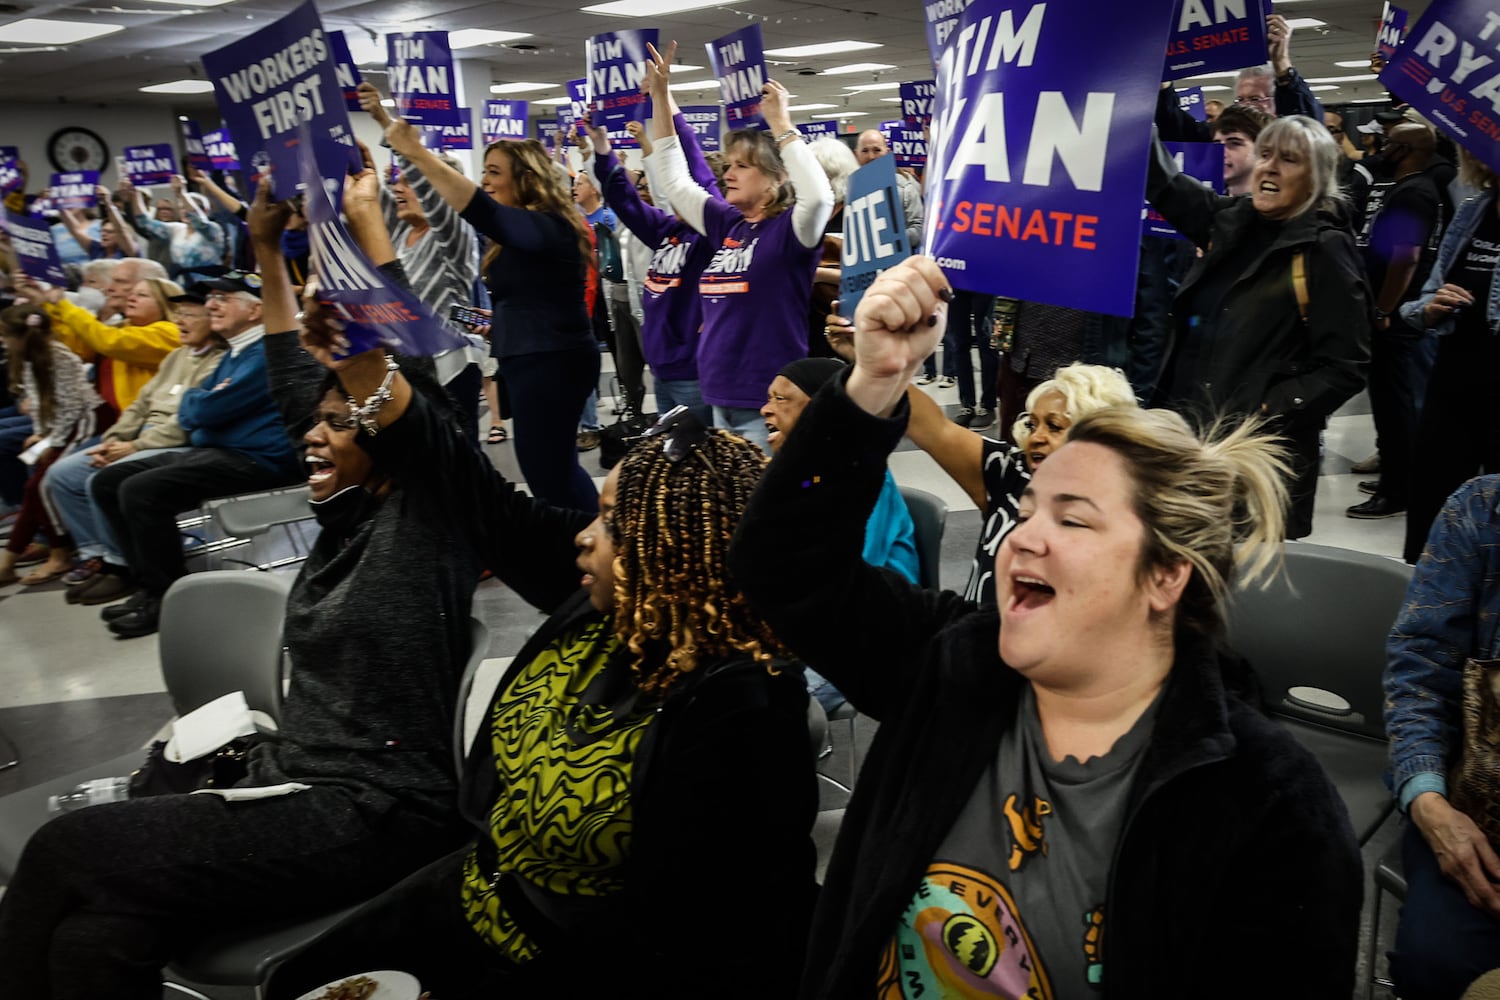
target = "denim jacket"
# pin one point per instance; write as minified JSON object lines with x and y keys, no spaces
{"x":1465,"y":221}
{"x":1452,"y":613}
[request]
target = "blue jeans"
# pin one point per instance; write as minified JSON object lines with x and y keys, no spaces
{"x":547,"y":392}
{"x":67,"y":490}
{"x":683,"y":392}
{"x":1442,"y":943}
{"x":745,"y":422}
{"x":589,"y":419}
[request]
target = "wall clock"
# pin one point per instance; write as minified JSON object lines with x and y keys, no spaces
{"x":77,"y":148}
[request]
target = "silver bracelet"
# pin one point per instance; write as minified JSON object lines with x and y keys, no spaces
{"x":789,"y":133}
{"x":367,"y":413}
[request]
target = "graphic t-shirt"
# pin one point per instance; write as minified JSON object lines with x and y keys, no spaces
{"x":1474,"y":269}
{"x":1005,"y":476}
{"x":565,"y":737}
{"x":1411,"y":216}
{"x":1013,"y":904}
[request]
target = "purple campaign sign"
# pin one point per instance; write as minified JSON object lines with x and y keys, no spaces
{"x":422,"y":77}
{"x":1190,"y":99}
{"x":739,"y":63}
{"x":147,"y":165}
{"x":75,"y":190}
{"x":1392,"y":24}
{"x":36,"y":254}
{"x":888,"y":127}
{"x":1441,"y":71}
{"x":1038,"y":157}
{"x":916,"y":101}
{"x":1201,"y":160}
{"x":941,"y":18}
{"x":504,"y":120}
{"x":616,"y":66}
{"x":909,"y":147}
{"x":814,"y":131}
{"x":375,"y":313}
{"x":874,"y":230}
{"x":704,"y":121}
{"x":220,"y":150}
{"x":547,"y":132}
{"x":1213,"y":35}
{"x":192,"y":142}
{"x":460,"y":136}
{"x":10,"y":170}
{"x":345,"y":71}
{"x":577,"y":109}
{"x":269,"y":83}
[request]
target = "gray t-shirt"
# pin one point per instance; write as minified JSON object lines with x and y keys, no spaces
{"x":1013,"y":904}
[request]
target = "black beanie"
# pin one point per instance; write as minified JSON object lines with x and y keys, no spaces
{"x":811,"y":374}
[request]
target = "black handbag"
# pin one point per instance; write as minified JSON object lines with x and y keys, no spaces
{"x":220,"y":769}
{"x":620,"y":436}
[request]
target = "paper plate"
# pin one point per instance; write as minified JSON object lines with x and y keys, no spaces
{"x":389,"y":985}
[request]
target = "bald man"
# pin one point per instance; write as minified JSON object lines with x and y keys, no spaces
{"x":871,"y":146}
{"x":1403,"y":236}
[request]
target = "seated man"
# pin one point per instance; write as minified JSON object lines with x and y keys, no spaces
{"x":1449,"y":932}
{"x":890,"y":535}
{"x":239,"y":445}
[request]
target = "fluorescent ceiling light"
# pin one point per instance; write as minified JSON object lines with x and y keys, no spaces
{"x":857,"y":68}
{"x":811,"y":107}
{"x":1326,"y":86}
{"x":844,"y":114}
{"x":180,"y":87}
{"x":1371,"y":100}
{"x":648,"y":8}
{"x":821,"y":49}
{"x":1361,"y":78}
{"x":555,"y":101}
{"x":862,"y":87}
{"x":468,"y":38}
{"x":1213,"y":76}
{"x":192,"y":3}
{"x":519,"y":88}
{"x":1304,"y":22}
{"x":1353,"y":64}
{"x":693,"y":85}
{"x":1212,"y":86}
{"x":891,"y":100}
{"x":42,"y":31}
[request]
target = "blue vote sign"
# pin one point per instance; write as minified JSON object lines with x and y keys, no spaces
{"x":1203,"y":161}
{"x":1190,"y":99}
{"x":616,"y":66}
{"x":31,"y":238}
{"x":270,"y":82}
{"x":345,"y":71}
{"x":1037,"y":162}
{"x":1392,"y":24}
{"x":75,"y":190}
{"x":703,"y":119}
{"x":1209,"y":36}
{"x":739,"y":64}
{"x":220,"y":149}
{"x":1449,"y":69}
{"x":147,"y":165}
{"x":874,"y":230}
{"x":504,"y":120}
{"x":916,"y":101}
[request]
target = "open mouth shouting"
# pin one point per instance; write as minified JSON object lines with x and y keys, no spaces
{"x":1028,"y":594}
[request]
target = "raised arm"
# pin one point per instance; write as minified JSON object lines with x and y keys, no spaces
{"x":124,"y":232}
{"x":645,"y":221}
{"x":294,"y":375}
{"x":214,"y":191}
{"x":670,"y":170}
{"x":1186,"y":204}
{"x":814,"y":202}
{"x":74,"y":222}
{"x":957,"y":449}
{"x":402,"y":136}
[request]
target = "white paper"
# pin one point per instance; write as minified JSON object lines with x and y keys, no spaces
{"x":206,"y":729}
{"x":251,"y":794}
{"x":30,"y":455}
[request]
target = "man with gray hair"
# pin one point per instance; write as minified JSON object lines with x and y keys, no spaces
{"x":871,"y":146}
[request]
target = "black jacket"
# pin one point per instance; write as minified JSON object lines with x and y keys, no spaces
{"x":1264,"y":358}
{"x":1236,"y":854}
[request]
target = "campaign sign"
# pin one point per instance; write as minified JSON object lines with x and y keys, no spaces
{"x":269,"y":83}
{"x":1203,"y":161}
{"x":739,"y":64}
{"x":703,"y":119}
{"x":220,"y":150}
{"x":192,"y":142}
{"x":1449,"y":69}
{"x":916,"y":101}
{"x":36,"y":254}
{"x":548,"y":131}
{"x":1191,"y":100}
{"x":147,"y":165}
{"x":1213,"y":35}
{"x":874,"y":230}
{"x":1038,"y":161}
{"x":375,"y":312}
{"x":75,"y":190}
{"x":10,"y":170}
{"x":1392,"y":24}
{"x":503,"y":120}
{"x":909,"y":147}
{"x":422,"y":77}
{"x":941,"y":18}
{"x":577,"y":108}
{"x":888,"y":127}
{"x":458,"y":136}
{"x":616,"y":66}
{"x":345,"y":71}
{"x":813,"y":131}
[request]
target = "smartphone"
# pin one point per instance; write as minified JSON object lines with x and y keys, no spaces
{"x":467,"y":316}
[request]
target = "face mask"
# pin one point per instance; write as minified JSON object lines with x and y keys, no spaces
{"x":345,"y":511}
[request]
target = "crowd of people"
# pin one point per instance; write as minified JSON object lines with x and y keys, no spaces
{"x":1071,"y":769}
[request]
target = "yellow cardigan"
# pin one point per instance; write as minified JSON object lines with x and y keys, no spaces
{"x":128,"y":355}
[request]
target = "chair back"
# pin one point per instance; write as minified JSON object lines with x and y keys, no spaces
{"x":221,"y":632}
{"x":479,"y":649}
{"x":930,"y":516}
{"x":1320,"y":630}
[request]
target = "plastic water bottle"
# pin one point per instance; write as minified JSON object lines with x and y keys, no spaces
{"x":90,"y":793}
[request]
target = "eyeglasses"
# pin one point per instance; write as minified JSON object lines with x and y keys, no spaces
{"x":1261,"y":102}
{"x":680,"y":432}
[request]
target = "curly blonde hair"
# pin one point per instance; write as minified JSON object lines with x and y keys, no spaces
{"x":539,"y":188}
{"x":1084,"y":389}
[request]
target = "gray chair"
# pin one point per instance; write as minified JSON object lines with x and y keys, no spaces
{"x":930,"y":516}
{"x":248,"y":956}
{"x":1389,"y":877}
{"x":1316,"y":639}
{"x":242,"y":519}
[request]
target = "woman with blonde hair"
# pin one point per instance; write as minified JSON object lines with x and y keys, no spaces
{"x":1072,"y":792}
{"x":542,"y":279}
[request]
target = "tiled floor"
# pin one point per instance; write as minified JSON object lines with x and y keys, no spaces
{"x":71,"y":693}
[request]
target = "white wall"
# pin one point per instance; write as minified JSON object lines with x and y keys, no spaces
{"x":29,"y":126}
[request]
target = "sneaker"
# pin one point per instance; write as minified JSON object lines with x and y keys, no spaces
{"x":926,"y":379}
{"x":1375,"y":508}
{"x":964,"y":417}
{"x":1370,"y":486}
{"x":83,"y":570}
{"x":1369,"y":466}
{"x":982,"y":418}
{"x":115,"y":611}
{"x":947,"y":382}
{"x":588,"y":440}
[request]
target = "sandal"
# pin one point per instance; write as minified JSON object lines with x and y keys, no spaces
{"x":497,"y":435}
{"x":34,"y":553}
{"x":42,"y":576}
